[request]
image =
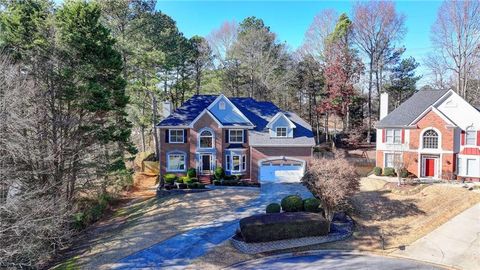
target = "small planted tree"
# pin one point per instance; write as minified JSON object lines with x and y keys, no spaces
{"x":331,"y":181}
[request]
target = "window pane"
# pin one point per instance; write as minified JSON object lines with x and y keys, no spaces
{"x":206,"y":142}
{"x":244,"y":163}
{"x":281,"y":132}
{"x":176,"y":162}
{"x":236,"y":163}
{"x":430,"y":139}
{"x":236,"y":136}
{"x":470,"y":137}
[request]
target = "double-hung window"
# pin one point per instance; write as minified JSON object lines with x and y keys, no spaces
{"x":394,"y":136}
{"x":206,"y":139}
{"x":176,"y":136}
{"x":470,"y":137}
{"x":235,"y":163}
{"x":281,"y":132}
{"x":176,"y":162}
{"x":391,"y":159}
{"x":235,"y":135}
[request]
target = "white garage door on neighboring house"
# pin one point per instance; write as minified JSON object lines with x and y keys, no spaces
{"x":281,"y":170}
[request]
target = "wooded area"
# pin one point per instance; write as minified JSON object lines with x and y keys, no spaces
{"x":79,"y":81}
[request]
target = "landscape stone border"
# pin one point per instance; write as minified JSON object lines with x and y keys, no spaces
{"x":338,"y":231}
{"x":162,"y":193}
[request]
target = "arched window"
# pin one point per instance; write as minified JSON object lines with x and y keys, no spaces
{"x":206,"y":139}
{"x":430,"y":139}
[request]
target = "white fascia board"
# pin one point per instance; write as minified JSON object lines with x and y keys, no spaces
{"x":205,"y":111}
{"x":277,"y":116}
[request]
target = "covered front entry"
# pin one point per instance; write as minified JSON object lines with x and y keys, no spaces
{"x":430,"y":166}
{"x":205,"y":163}
{"x":281,"y":170}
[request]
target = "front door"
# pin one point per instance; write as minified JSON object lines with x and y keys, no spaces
{"x":429,"y":167}
{"x":206,"y":163}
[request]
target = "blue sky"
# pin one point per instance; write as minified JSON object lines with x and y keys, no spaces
{"x":290,"y":19}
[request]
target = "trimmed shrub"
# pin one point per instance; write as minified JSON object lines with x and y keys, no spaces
{"x":188,"y":181}
{"x":389,"y":171}
{"x":192,"y":173}
{"x":217,"y":182}
{"x":230,"y":183}
{"x":273,"y":208}
{"x":182,"y":179}
{"x":377,"y":171}
{"x":200,"y":185}
{"x":292,"y":203}
{"x":194,"y":179}
{"x":229,"y":177}
{"x":219,"y":173}
{"x":280,"y":226}
{"x":312,"y":205}
{"x":237,"y":177}
{"x":403,"y":173}
{"x":191,"y":185}
{"x":169,"y":178}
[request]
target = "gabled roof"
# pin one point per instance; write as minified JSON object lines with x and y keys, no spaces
{"x":259,"y":113}
{"x":411,"y":109}
{"x":278,"y":116}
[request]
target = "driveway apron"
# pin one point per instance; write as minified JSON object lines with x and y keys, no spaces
{"x":178,"y":251}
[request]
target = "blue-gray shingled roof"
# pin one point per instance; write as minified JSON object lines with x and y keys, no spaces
{"x":258,"y":112}
{"x":411,"y":108}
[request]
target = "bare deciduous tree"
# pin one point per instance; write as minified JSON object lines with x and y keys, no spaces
{"x":377,"y":26}
{"x":332,"y":181}
{"x":318,"y":32}
{"x":456,"y":36}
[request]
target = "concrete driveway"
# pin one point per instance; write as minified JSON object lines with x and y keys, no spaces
{"x":180,"y":250}
{"x":456,"y":243}
{"x":331,"y":259}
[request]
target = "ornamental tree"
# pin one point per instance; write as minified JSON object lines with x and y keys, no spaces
{"x":332,"y":181}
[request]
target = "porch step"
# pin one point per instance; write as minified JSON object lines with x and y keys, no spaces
{"x":204,"y":179}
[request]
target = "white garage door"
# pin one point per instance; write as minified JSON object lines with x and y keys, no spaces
{"x":281,"y":171}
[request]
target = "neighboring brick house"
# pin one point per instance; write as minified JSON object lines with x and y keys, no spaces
{"x":434,"y":134}
{"x":246,"y":137}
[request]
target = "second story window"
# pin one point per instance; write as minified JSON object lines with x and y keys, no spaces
{"x":394,"y":136}
{"x":176,"y":135}
{"x":235,"y":136}
{"x":470,"y":137}
{"x":281,"y":132}
{"x":206,"y":139}
{"x":430,"y":139}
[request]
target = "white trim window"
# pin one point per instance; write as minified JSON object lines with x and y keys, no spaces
{"x":227,"y":162}
{"x":394,"y":136}
{"x":176,"y":136}
{"x":236,"y":166}
{"x":176,"y":162}
{"x":235,"y":135}
{"x":470,"y":137}
{"x":391,"y":158}
{"x":205,"y":139}
{"x":430,"y":139}
{"x":281,"y":132}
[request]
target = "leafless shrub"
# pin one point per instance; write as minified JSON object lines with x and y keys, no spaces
{"x":332,"y":181}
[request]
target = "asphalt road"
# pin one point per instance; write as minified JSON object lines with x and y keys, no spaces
{"x":332,"y":260}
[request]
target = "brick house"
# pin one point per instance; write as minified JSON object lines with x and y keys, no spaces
{"x":246,"y":137}
{"x":434,"y":134}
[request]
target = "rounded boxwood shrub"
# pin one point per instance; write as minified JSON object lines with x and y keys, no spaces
{"x":169,"y":178}
{"x":389,"y":171}
{"x":292,"y":203}
{"x":273,"y":208}
{"x":188,"y":181}
{"x":191,"y":185}
{"x":200,"y":186}
{"x":217,"y":182}
{"x":403,"y":173}
{"x":194,"y":179}
{"x":377,"y":171}
{"x":219,"y":173}
{"x":311,"y":205}
{"x":191,"y":173}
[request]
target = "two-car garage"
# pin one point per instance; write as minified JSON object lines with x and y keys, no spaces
{"x":281,"y":170}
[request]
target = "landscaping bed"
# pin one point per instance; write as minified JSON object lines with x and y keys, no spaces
{"x":405,"y":189}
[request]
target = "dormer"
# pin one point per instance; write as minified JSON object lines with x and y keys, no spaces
{"x":280,"y":126}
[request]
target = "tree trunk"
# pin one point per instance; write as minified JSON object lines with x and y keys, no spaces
{"x":370,"y":82}
{"x":155,"y":138}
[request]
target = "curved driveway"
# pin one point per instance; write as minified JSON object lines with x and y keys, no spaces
{"x":330,"y":259}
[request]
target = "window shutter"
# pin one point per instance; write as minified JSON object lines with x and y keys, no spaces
{"x":463,"y":138}
{"x":384,"y":135}
{"x":244,"y":136}
{"x":167,"y":132}
{"x":403,"y":135}
{"x":478,"y":137}
{"x":185,"y":138}
{"x":226,"y":136}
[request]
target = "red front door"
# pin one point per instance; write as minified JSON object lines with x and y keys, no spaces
{"x":429,"y":167}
